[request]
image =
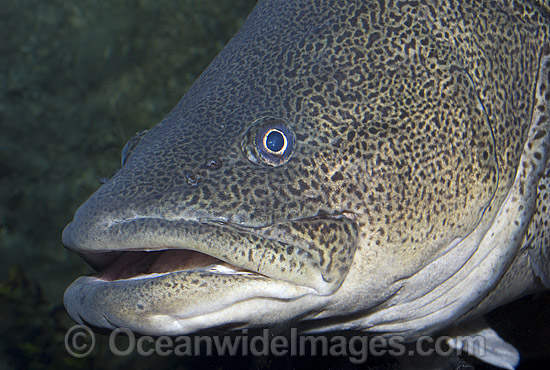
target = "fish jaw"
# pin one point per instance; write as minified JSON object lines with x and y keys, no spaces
{"x":200,"y":299}
{"x":160,"y":276}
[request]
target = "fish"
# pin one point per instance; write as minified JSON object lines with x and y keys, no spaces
{"x":373,"y":166}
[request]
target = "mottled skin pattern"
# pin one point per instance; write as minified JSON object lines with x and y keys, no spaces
{"x":411,"y":121}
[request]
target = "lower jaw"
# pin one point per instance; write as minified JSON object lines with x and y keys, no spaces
{"x":182,"y":301}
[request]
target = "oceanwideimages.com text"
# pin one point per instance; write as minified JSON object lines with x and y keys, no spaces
{"x":80,"y":342}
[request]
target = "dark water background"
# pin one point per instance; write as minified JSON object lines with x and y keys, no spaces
{"x":77,"y":79}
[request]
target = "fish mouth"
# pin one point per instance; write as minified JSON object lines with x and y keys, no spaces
{"x":160,"y":276}
{"x":137,"y":247}
{"x":141,"y":264}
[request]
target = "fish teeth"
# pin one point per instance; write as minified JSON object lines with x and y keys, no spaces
{"x":219,"y":269}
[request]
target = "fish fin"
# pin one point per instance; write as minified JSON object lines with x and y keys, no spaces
{"x":477,"y":339}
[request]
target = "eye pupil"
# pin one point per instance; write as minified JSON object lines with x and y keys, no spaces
{"x":275,"y":141}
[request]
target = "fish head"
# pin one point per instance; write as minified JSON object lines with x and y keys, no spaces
{"x":314,"y":168}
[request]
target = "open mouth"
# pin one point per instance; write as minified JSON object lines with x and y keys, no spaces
{"x":176,"y":276}
{"x":139,"y":264}
{"x":174,"y":291}
{"x":315,"y":253}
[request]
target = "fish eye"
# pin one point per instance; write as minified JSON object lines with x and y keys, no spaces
{"x":274,"y":143}
{"x":269,"y":141}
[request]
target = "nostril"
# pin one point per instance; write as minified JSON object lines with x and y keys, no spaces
{"x":192,"y":179}
{"x":213,"y":163}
